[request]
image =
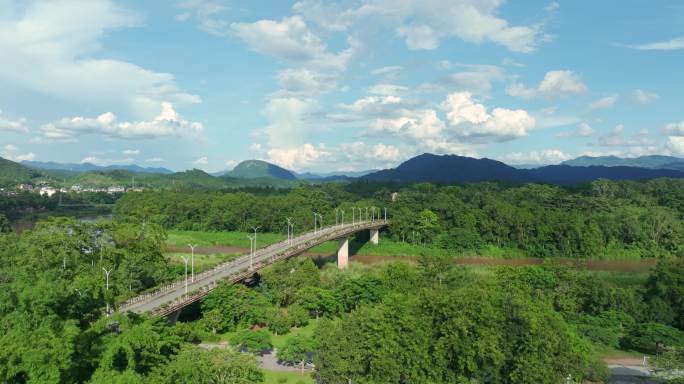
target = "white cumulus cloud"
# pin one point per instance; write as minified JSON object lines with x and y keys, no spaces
{"x":304,"y":82}
{"x":10,"y":153}
{"x":291,"y":41}
{"x":675,"y":144}
{"x":543,"y":157}
{"x":674,"y":129}
{"x":556,"y":84}
{"x":13,"y":125}
{"x":667,"y":45}
{"x":604,"y":102}
{"x":203,"y":160}
{"x":208,"y":14}
{"x":53,"y":48}
{"x":468,"y":118}
{"x":639,"y":96}
{"x":583,"y":130}
{"x":298,"y":157}
{"x":167,"y":123}
{"x":423,"y":24}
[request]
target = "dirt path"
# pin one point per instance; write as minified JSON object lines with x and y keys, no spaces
{"x":624,"y":361}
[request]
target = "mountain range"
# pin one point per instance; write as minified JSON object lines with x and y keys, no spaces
{"x":651,"y":162}
{"x":87,"y":167}
{"x":459,"y":169}
{"x":259,"y":168}
{"x":423,"y":168}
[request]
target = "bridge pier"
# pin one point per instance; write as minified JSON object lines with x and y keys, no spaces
{"x":374,"y":236}
{"x":173,"y":317}
{"x":343,"y":253}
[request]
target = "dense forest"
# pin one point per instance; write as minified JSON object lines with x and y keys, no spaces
{"x":394,"y":323}
{"x":601,"y":219}
{"x":430,"y":322}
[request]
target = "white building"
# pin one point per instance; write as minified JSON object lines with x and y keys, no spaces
{"x":116,"y":189}
{"x":48,"y":191}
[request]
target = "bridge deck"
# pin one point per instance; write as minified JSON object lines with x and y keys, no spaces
{"x":172,"y":297}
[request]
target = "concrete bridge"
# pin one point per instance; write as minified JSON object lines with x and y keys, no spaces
{"x":171,"y":299}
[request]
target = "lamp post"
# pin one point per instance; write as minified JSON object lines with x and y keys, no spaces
{"x":107,"y":272}
{"x":290,"y":230}
{"x":320,"y":227}
{"x":255,"y":238}
{"x":353,"y":215}
{"x":251,"y":250}
{"x":185,"y":259}
{"x":315,"y":218}
{"x":192,"y":262}
{"x":342,"y":212}
{"x":385,"y":213}
{"x":366,"y":213}
{"x":337,"y":216}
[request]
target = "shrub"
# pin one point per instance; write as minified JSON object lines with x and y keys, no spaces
{"x":652,"y":337}
{"x":605,"y":328}
{"x":188,"y":332}
{"x":257,"y":341}
{"x":297,"y":350}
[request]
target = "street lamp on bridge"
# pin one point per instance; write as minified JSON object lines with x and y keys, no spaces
{"x":317,"y":215}
{"x":107,"y":272}
{"x":251,"y":250}
{"x":185,"y":259}
{"x":255,"y":238}
{"x":192,"y":262}
{"x":290,"y":230}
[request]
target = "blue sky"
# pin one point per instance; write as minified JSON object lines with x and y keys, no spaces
{"x":327,"y":86}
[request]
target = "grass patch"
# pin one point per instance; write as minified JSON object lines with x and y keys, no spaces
{"x":279,"y":377}
{"x":605,"y":352}
{"x":307,"y":331}
{"x":622,"y":279}
{"x":277,"y":340}
{"x":231,"y":239}
{"x":202,"y":262}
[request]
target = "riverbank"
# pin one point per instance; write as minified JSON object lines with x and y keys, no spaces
{"x":223,"y":243}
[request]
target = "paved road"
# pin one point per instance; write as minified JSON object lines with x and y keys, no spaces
{"x":176,"y":292}
{"x":631,"y":374}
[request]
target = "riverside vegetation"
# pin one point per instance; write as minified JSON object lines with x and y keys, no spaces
{"x":431,"y":322}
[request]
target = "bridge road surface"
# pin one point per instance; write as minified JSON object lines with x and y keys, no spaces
{"x":161,"y":302}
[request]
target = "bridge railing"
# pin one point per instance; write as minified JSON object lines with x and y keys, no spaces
{"x":299,"y":244}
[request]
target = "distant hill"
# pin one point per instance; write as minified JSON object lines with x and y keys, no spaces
{"x":252,"y":169}
{"x":446,"y":169}
{"x":459,"y":169}
{"x":87,"y":167}
{"x":334,"y":175}
{"x":12,"y":173}
{"x":565,"y":174}
{"x":651,"y":162}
